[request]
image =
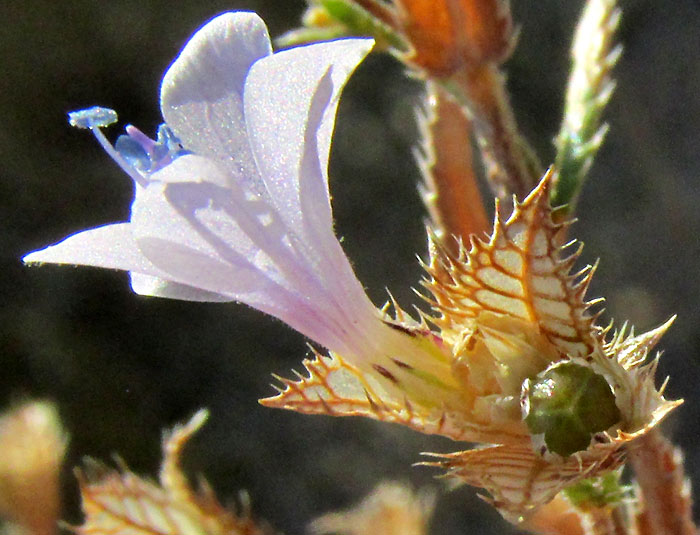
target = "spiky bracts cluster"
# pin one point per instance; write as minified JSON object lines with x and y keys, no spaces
{"x":122,"y":502}
{"x":511,"y":309}
{"x":521,"y":272}
{"x":507,"y":313}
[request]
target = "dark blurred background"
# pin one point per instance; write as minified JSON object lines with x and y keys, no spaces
{"x":122,"y":368}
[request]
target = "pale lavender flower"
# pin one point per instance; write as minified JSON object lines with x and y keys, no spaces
{"x":231,"y":201}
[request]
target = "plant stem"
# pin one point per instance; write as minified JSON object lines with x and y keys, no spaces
{"x":664,"y":492}
{"x":605,"y":521}
{"x":512,"y":167}
{"x":450,"y":190}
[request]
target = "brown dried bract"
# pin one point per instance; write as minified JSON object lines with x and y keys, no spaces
{"x":122,"y":502}
{"x":449,"y":34}
{"x":391,"y":509}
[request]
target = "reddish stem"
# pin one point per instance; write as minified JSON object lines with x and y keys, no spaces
{"x":664,"y":502}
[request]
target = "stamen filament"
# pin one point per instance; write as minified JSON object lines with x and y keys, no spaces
{"x":118,"y":158}
{"x":93,"y":119}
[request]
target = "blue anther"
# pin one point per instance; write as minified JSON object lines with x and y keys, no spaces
{"x":133,"y":152}
{"x":145,"y":154}
{"x":94,"y":117}
{"x":167,"y":139}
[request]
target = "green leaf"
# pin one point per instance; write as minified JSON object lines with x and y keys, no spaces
{"x":598,"y":491}
{"x":589,"y":89}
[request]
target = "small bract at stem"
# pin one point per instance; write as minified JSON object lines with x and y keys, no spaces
{"x":391,"y":509}
{"x":377,"y":9}
{"x":119,"y":501}
{"x":326,"y":20}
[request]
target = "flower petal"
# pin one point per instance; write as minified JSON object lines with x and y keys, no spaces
{"x":109,"y":246}
{"x":193,"y":204}
{"x":202,"y":92}
{"x":114,"y":247}
{"x":229,"y":241}
{"x":279,"y":109}
{"x":290,"y":123}
{"x":157,"y":287}
{"x":175,"y":241}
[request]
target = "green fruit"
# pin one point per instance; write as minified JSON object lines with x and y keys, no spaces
{"x":568,"y":403}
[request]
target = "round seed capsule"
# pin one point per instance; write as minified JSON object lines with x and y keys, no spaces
{"x":568,"y":403}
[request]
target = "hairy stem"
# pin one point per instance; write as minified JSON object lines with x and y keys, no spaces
{"x":664,"y":492}
{"x":450,"y":190}
{"x":511,"y":166}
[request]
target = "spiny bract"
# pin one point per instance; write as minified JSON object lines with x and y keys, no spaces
{"x":507,"y":312}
